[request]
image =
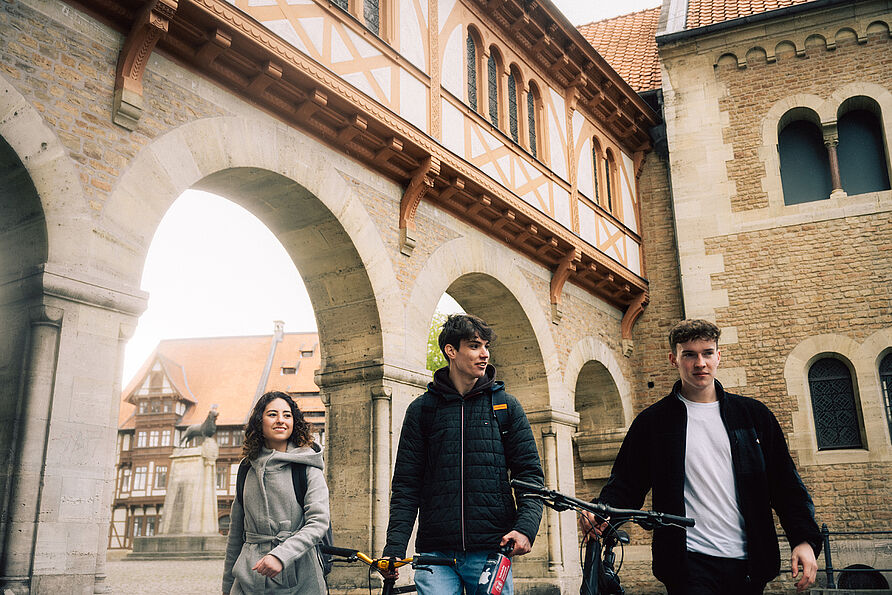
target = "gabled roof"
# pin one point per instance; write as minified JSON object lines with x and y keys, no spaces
{"x":628,"y":43}
{"x":226,"y":371}
{"x":702,"y":13}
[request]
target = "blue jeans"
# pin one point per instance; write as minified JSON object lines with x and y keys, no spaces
{"x":449,"y":580}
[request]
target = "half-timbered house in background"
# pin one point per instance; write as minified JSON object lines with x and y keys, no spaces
{"x":176,"y":387}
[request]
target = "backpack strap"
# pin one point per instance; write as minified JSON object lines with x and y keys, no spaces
{"x":240,"y":481}
{"x":500,"y":411}
{"x":299,"y":478}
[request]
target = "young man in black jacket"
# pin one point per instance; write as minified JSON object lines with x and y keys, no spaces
{"x":453,"y":465}
{"x":722,"y":460}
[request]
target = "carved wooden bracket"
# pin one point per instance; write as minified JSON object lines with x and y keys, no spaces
{"x":148,"y":28}
{"x":635,"y":309}
{"x":422,"y":180}
{"x":566,"y":266}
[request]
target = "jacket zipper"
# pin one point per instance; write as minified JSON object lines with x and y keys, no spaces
{"x":462,"y":482}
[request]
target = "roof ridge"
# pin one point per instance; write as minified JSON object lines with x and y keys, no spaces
{"x":621,"y":16}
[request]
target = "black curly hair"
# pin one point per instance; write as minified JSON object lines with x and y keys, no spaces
{"x":300,"y":435}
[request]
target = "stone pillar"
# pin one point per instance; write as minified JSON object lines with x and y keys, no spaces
{"x":381,"y":463}
{"x":27,"y":479}
{"x":549,"y":464}
{"x":366,"y":403}
{"x":831,"y":140}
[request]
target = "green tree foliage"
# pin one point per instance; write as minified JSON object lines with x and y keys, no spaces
{"x":435,"y":358}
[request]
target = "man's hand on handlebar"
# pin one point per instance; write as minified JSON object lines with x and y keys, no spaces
{"x":521,"y":543}
{"x":388,"y":573}
{"x":590,"y":526}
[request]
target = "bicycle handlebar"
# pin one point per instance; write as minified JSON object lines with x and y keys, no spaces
{"x":384,"y":563}
{"x":559,"y":501}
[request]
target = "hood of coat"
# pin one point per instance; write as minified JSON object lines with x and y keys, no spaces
{"x":442,"y":386}
{"x":274,"y":460}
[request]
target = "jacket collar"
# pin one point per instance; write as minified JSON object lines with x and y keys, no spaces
{"x":442,"y":385}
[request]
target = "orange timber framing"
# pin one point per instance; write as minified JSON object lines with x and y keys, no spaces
{"x":221,"y":43}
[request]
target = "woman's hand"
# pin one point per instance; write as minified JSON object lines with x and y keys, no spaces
{"x":268,"y":566}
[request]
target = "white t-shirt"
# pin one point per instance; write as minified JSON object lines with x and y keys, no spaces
{"x":710,"y":492}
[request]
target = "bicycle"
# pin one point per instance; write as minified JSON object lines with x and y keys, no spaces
{"x":388,"y":564}
{"x":599,"y":574}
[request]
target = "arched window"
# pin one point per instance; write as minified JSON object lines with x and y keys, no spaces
{"x":833,"y":403}
{"x":512,"y":106}
{"x":861,"y":152}
{"x":532,"y":111}
{"x":492,"y":71}
{"x":886,"y":387}
{"x":609,"y":178}
{"x":804,"y":165}
{"x":372,"y":12}
{"x":472,"y":72}
{"x":597,"y":161}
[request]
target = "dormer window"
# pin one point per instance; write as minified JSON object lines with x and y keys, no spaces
{"x":289,"y":370}
{"x":306,"y":353}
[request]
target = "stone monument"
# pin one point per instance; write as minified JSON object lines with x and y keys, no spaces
{"x":188,"y":527}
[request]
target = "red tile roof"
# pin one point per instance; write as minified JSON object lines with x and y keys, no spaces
{"x":628,"y":43}
{"x":226,"y":371}
{"x":708,"y":12}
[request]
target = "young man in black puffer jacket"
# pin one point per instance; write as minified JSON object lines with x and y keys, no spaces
{"x":453,"y":466}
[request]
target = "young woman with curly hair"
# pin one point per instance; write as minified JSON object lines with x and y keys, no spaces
{"x":272,"y":541}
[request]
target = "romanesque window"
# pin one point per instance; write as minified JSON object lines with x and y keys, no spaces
{"x":532,"y":105}
{"x":886,"y":387}
{"x":596,"y":167}
{"x":372,"y":14}
{"x":804,"y":164}
{"x":492,"y":73}
{"x":861,"y":153}
{"x":472,"y":72}
{"x":609,"y":180}
{"x":512,"y":106}
{"x":139,"y":478}
{"x":160,"y":477}
{"x":833,"y":403}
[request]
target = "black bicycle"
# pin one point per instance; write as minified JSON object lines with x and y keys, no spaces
{"x":600,"y":571}
{"x":418,"y":563}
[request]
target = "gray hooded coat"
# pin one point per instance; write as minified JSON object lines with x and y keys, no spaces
{"x":269,"y":521}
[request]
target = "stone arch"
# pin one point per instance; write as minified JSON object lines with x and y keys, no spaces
{"x":603,"y":400}
{"x":756,"y":55}
{"x":727,"y":60}
{"x":485,"y":280}
{"x":861,"y":359}
{"x":288,"y":182}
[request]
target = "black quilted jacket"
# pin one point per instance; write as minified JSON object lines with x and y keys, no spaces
{"x":453,"y":474}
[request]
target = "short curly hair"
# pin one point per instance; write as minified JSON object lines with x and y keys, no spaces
{"x":463,"y":326}
{"x":300,"y":434}
{"x":690,"y":330}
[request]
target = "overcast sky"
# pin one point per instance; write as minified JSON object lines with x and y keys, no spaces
{"x":213,"y":269}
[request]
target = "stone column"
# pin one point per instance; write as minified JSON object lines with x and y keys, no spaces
{"x":27,"y":479}
{"x":831,"y":140}
{"x":381,"y":463}
{"x":549,"y":464}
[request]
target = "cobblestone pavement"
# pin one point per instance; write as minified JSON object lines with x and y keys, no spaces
{"x":167,"y":577}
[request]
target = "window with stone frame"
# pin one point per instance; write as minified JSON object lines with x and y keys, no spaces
{"x":532,"y":120}
{"x":471,"y":58}
{"x":886,"y":386}
{"x":861,"y":151}
{"x":165,"y":437}
{"x":154,"y":438}
{"x":804,"y":161}
{"x":512,"y":107}
{"x":492,"y":77}
{"x":141,"y":439}
{"x":837,"y":423}
{"x":372,"y":12}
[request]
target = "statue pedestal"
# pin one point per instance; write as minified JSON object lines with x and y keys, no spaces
{"x":188,"y":526}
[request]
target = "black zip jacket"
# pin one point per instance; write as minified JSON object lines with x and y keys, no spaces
{"x":454,"y":474}
{"x":652,"y":458}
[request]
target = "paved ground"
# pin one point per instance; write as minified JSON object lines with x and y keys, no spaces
{"x":169,"y":577}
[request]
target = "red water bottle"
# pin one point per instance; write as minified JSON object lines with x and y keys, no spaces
{"x":495,"y":571}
